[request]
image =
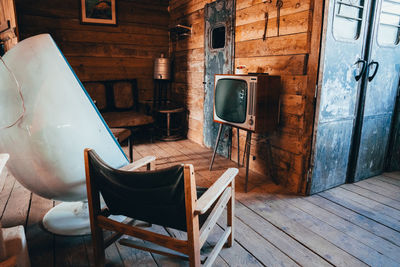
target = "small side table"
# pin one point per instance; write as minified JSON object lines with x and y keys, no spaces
{"x":121,"y":134}
{"x":170,"y":122}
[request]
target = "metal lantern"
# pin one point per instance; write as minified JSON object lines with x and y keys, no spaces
{"x":162,"y":70}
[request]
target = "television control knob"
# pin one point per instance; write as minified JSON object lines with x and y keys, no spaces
{"x":251,"y":121}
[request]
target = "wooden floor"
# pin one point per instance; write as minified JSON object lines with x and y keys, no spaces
{"x":352,"y":225}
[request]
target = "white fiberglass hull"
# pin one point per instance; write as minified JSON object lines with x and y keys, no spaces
{"x":46,"y":145}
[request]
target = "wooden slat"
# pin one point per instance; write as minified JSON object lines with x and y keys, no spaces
{"x":145,"y":161}
{"x":5,"y":193}
{"x":205,"y":250}
{"x":274,"y":46}
{"x":142,"y":234}
{"x":274,"y":65}
{"x":16,"y":211}
{"x":289,"y":24}
{"x":214,"y":253}
{"x":372,"y":195}
{"x":134,"y":257}
{"x":366,"y":184}
{"x":70,"y":251}
{"x":368,"y":203}
{"x":395,"y":175}
{"x":152,"y":248}
{"x":340,"y":239}
{"x":51,"y":23}
{"x":361,"y":209}
{"x":302,"y":234}
{"x":366,"y":223}
{"x":390,"y":189}
{"x":215,"y":191}
{"x":389,"y":180}
{"x":379,"y":244}
{"x":294,"y":85}
{"x":269,"y":255}
{"x":253,"y":11}
{"x":214,"y":215}
{"x":295,"y":250}
{"x":236,"y":255}
{"x":40,"y":242}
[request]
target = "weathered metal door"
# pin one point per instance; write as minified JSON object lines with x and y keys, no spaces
{"x":342,"y":64}
{"x":219,"y":41}
{"x":381,"y":88}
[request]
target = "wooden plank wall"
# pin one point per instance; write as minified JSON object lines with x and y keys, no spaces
{"x":7,"y":13}
{"x":100,"y":52}
{"x":289,"y":55}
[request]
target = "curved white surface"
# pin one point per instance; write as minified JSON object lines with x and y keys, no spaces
{"x":3,"y":160}
{"x":46,"y":146}
{"x":71,"y":218}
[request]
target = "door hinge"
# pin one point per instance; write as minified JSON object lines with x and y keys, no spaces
{"x":309,"y":174}
{"x":316,"y":92}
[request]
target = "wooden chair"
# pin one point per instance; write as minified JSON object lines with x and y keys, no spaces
{"x":167,"y":197}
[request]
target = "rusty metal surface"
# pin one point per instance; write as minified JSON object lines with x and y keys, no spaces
{"x":336,"y":108}
{"x":379,"y":105}
{"x":354,"y":119}
{"x":217,"y":61}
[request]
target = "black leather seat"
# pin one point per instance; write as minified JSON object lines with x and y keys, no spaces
{"x":167,"y":197}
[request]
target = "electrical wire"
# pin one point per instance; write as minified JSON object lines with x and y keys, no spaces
{"x":20,"y":94}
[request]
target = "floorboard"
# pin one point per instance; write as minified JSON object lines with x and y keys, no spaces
{"x":374,"y":245}
{"x":352,"y":225}
{"x":40,"y":242}
{"x":389,"y":180}
{"x":366,"y":184}
{"x":280,"y":239}
{"x":352,"y":216}
{"x":372,"y":195}
{"x":395,"y":175}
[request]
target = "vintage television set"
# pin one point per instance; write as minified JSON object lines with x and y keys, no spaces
{"x":249,"y":102}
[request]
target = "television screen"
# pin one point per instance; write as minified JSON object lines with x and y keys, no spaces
{"x":231,"y":100}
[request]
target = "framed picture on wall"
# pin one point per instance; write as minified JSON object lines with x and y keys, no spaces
{"x":98,"y":12}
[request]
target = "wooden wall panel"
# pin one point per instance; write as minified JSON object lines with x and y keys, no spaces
{"x":9,"y":35}
{"x":100,"y":52}
{"x":286,"y":54}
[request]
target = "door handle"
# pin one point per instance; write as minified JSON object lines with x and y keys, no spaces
{"x":363,"y":68}
{"x":370,"y":78}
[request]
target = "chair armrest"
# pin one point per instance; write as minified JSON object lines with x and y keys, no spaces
{"x":212,"y":193}
{"x":10,"y":262}
{"x":149,"y":160}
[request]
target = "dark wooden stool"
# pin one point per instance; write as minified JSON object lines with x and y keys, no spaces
{"x":121,"y":134}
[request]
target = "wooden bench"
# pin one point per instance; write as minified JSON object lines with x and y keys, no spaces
{"x":117,"y":100}
{"x":121,"y":134}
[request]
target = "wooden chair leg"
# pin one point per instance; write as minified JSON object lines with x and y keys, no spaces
{"x":231,"y":214}
{"x":192,"y":220}
{"x":194,"y":256}
{"x":98,"y":246}
{"x":130,"y":146}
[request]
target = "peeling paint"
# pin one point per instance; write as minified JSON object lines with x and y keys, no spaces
{"x":217,"y":61}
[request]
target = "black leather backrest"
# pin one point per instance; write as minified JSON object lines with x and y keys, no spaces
{"x":154,"y":196}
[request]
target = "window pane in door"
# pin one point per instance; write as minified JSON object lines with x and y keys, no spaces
{"x":218,"y":37}
{"x":389,"y":24}
{"x":348,"y":19}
